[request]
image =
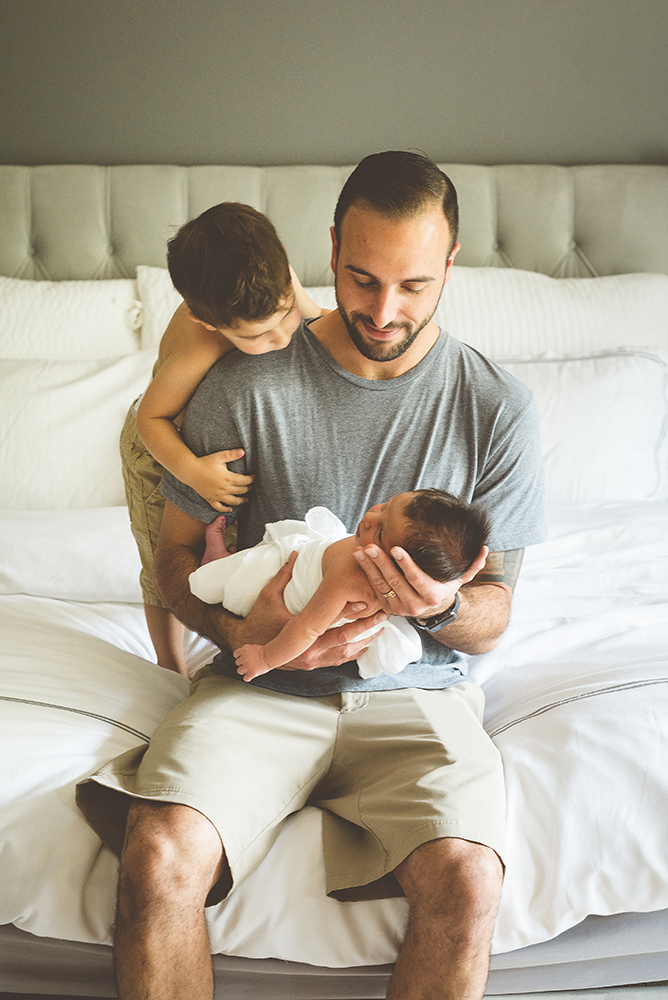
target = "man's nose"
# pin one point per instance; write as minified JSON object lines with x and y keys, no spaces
{"x":384,"y":311}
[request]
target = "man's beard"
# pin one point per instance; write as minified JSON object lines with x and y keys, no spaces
{"x":379,"y":351}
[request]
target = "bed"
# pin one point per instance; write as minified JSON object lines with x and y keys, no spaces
{"x":563,"y":279}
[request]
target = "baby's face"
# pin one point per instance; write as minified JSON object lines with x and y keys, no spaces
{"x":385,"y":524}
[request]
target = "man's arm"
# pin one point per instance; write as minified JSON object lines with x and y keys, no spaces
{"x":485,"y":597}
{"x":178,"y":554}
{"x":484,"y":605}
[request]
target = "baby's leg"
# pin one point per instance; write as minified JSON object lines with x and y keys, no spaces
{"x":215,"y":541}
{"x":251,"y":661}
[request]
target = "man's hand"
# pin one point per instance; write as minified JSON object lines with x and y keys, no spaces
{"x":408,"y":591}
{"x":269,"y":614}
{"x":485,"y":590}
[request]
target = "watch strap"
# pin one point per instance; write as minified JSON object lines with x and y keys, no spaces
{"x":437,"y":622}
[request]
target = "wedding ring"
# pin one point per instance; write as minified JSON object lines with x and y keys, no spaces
{"x":389,"y":595}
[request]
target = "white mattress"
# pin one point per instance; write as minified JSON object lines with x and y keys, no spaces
{"x":577,"y":694}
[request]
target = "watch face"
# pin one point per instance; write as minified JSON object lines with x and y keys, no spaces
{"x":438,"y":622}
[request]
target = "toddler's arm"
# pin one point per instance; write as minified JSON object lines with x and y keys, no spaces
{"x":188,"y":350}
{"x":305,"y":303}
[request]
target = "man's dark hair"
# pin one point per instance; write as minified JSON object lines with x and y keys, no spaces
{"x":446,"y":533}
{"x":229,"y":265}
{"x":398,"y":183}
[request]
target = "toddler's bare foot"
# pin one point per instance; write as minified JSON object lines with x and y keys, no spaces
{"x":215,"y":540}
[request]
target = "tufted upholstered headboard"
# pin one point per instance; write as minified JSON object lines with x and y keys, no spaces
{"x":82,"y":222}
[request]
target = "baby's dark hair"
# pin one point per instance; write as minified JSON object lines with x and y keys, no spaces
{"x":446,"y":534}
{"x":229,"y":265}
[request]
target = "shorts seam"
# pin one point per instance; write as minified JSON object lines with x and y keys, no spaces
{"x":358,"y":783}
{"x":362,"y":822}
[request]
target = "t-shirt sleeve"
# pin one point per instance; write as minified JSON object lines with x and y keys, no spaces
{"x":186,"y":499}
{"x":207,"y":422}
{"x":512,"y":486}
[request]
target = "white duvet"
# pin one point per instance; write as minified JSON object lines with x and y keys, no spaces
{"x":577,"y":702}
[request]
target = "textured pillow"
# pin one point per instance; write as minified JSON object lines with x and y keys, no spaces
{"x":158,"y":299}
{"x":508,"y":313}
{"x":604,"y":416}
{"x":604,"y":422}
{"x":68,"y":320}
{"x":60,"y":423}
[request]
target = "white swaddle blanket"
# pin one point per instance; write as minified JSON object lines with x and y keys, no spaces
{"x":236,"y":581}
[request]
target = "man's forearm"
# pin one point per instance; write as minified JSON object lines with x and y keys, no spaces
{"x":484,"y":609}
{"x":171,"y":571}
{"x":482,"y":618}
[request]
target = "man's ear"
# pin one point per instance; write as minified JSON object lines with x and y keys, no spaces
{"x":335,"y":249}
{"x":451,"y":259}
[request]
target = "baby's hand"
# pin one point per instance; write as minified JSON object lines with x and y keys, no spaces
{"x":251,"y":661}
{"x":210,"y":477}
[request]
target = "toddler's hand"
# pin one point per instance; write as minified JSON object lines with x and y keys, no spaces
{"x":210,"y":477}
{"x":251,"y":661}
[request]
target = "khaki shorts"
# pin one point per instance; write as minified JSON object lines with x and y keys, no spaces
{"x":142,"y":476}
{"x":391,"y":769}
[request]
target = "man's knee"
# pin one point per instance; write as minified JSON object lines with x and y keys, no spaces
{"x":169,"y":850}
{"x":450,"y":873}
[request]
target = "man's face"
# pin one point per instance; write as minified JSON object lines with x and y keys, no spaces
{"x":389,"y":276}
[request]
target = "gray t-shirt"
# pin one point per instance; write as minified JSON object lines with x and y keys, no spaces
{"x":315,"y":434}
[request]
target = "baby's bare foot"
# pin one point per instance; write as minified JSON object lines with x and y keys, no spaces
{"x":215,"y":540}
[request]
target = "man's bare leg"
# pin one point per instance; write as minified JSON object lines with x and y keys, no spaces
{"x":171,"y":857}
{"x":453,"y":888}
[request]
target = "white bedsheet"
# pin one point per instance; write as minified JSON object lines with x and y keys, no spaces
{"x":577,"y":698}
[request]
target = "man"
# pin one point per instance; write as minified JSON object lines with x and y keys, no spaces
{"x":367,"y":401}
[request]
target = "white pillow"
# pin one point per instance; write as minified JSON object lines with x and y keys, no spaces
{"x":509,"y":313}
{"x":71,"y":555}
{"x":159,"y":299}
{"x":323,"y":295}
{"x":60,"y":423}
{"x":604,"y":422}
{"x":512,"y":314}
{"x":68,"y":320}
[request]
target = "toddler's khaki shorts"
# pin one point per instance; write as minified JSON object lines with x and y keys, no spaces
{"x":142,"y":476}
{"x":392,"y":770}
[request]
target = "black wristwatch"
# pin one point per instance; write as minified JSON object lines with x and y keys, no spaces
{"x":437,"y":622}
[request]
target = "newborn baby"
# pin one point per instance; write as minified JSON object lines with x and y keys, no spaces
{"x":443,"y":536}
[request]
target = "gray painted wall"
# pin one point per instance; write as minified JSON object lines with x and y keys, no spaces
{"x":327,"y":81}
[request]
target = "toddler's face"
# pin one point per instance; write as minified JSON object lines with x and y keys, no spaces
{"x":262,"y":336}
{"x":385,"y":524}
